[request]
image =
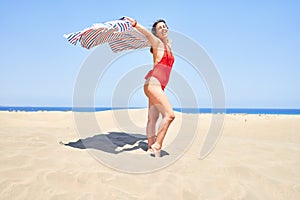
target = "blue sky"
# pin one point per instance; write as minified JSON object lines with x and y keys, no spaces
{"x":255,"y":46}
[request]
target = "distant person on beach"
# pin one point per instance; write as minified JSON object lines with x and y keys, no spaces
{"x":156,"y":81}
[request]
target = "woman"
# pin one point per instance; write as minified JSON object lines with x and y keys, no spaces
{"x":156,"y":81}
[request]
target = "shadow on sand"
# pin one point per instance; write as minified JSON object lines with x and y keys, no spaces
{"x":113,"y":142}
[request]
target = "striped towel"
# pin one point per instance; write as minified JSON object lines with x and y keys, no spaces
{"x":119,"y":34}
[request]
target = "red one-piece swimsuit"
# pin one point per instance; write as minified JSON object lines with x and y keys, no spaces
{"x":162,"y":69}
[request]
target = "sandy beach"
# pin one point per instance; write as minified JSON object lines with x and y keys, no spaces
{"x":44,"y":157}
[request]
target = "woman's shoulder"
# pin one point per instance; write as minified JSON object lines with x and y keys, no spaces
{"x":158,"y":47}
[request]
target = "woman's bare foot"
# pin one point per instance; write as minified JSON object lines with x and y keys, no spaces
{"x":156,"y":148}
{"x":150,"y":151}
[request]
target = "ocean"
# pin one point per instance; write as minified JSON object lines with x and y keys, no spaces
{"x":278,"y":111}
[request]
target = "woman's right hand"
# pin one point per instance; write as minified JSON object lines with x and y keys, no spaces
{"x":132,"y":21}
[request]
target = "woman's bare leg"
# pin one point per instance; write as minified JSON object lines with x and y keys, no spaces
{"x":153,"y":115}
{"x":159,"y":99}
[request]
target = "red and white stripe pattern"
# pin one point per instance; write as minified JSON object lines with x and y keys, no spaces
{"x":119,"y":34}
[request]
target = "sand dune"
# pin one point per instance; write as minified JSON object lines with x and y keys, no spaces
{"x":257,"y":157}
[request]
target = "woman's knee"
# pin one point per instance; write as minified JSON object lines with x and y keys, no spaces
{"x":170,"y":116}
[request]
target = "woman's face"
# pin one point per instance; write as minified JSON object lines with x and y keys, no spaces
{"x":161,"y":30}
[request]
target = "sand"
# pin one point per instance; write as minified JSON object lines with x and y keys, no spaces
{"x":257,"y":157}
